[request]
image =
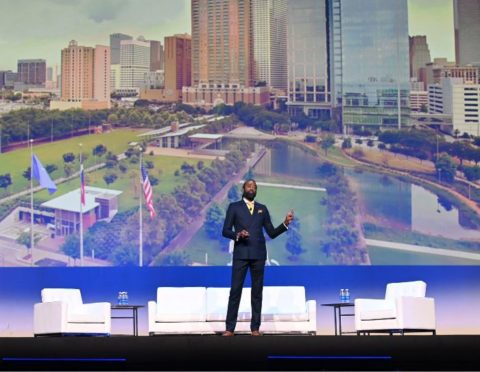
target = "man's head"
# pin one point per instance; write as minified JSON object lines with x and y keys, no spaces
{"x":249,"y":189}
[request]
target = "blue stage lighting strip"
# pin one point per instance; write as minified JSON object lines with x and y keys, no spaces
{"x":332,"y":357}
{"x":94,"y":360}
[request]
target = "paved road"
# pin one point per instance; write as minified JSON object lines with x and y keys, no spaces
{"x":423,"y":249}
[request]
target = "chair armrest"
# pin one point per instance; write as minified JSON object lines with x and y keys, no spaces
{"x":49,"y":317}
{"x":416,"y":312}
{"x":311,"y":306}
{"x":152,"y":311}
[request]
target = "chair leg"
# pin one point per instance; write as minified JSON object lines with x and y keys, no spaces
{"x":358,"y":333}
{"x":402,"y":332}
{"x":434,"y":332}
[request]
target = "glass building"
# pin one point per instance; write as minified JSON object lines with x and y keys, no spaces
{"x":308,"y":85}
{"x":369,"y":47}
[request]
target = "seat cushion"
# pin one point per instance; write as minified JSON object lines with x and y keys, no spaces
{"x":181,"y":304}
{"x":296,"y":317}
{"x":378,"y":314}
{"x":86,"y":318}
{"x":217,"y":304}
{"x":284,"y":300}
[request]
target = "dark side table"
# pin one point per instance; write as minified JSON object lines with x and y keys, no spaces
{"x":337,"y":315}
{"x":134,"y":314}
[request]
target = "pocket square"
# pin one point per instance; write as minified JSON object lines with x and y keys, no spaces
{"x":260,"y":211}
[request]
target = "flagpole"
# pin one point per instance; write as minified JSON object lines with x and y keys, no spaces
{"x":81,"y":211}
{"x":140,"y":218}
{"x":31,"y":203}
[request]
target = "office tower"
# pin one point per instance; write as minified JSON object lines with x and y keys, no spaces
{"x":85,"y":81}
{"x":134,"y":62}
{"x":269,"y":34}
{"x":308,"y":86}
{"x":156,"y":55}
{"x":370,"y":62}
{"x":115,"y":40}
{"x":32,"y":71}
{"x":178,"y":62}
{"x":467,"y":31}
{"x":419,"y":55}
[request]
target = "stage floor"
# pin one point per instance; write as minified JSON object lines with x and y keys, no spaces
{"x":241,"y":353}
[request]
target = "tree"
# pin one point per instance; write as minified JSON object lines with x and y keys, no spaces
{"x":125,"y":255}
{"x":200,"y":165}
{"x":50,"y":168}
{"x":24,"y":239}
{"x":5,"y":180}
{"x":110,"y":178}
{"x":472,"y":173}
{"x":68,"y":169}
{"x":234,"y":194}
{"x":154,"y":181}
{"x":99,"y":150}
{"x":187,"y":169}
{"x":27,"y":173}
{"x":123,"y":167}
{"x":69,"y":157}
{"x":446,"y":168}
{"x":71,"y":246}
{"x":294,"y":240}
{"x":214,"y":222}
{"x":149,"y":164}
{"x":370,"y":143}
{"x":347,"y":143}
{"x":424,"y":108}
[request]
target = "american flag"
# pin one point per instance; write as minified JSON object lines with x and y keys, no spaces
{"x":147,"y":191}
{"x":82,"y":185}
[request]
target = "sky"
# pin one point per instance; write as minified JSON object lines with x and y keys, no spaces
{"x":41,"y":28}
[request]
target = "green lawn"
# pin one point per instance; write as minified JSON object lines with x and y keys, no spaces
{"x":307,"y":208}
{"x":386,"y":256}
{"x":129,"y":182}
{"x":16,"y":162}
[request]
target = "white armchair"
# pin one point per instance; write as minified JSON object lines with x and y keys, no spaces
{"x":62,"y":312}
{"x":404,"y":309}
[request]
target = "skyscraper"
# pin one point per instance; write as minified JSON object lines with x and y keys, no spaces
{"x":467,"y":31}
{"x":115,"y":40}
{"x":221,"y":42}
{"x":269,"y":26}
{"x":222,"y":54}
{"x":370,"y":62}
{"x":178,"y":62}
{"x":156,"y":55}
{"x":419,"y":55}
{"x":134,"y":62}
{"x":85,"y":77}
{"x":308,"y":86}
{"x":32,"y":71}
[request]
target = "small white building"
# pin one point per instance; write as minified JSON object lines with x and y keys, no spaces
{"x":459,"y":99}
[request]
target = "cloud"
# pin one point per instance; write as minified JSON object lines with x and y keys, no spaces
{"x":105,"y":10}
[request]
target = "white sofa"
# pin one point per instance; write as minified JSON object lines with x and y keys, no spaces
{"x":63,"y":312}
{"x":404,"y":309}
{"x":200,"y":310}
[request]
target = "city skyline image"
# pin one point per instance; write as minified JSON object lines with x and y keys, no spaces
{"x":40,"y":29}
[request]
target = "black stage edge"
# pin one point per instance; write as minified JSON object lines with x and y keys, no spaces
{"x":241,"y":353}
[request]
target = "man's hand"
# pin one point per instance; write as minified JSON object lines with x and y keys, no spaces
{"x":243,"y":234}
{"x":288,"y":217}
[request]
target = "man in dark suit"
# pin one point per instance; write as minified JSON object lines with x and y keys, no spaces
{"x":248,"y":218}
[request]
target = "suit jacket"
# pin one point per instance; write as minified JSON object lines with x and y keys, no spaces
{"x":239,"y":218}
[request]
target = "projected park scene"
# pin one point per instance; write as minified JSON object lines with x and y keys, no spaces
{"x":363,"y":148}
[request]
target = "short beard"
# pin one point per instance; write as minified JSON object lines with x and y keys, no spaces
{"x":249,"y":196}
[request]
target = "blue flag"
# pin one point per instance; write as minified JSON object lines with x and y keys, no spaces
{"x":41,"y":175}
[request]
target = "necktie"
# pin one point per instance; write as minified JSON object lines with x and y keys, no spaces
{"x":250,"y":207}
